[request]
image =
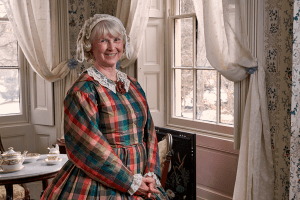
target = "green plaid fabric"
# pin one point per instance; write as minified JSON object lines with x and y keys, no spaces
{"x":109,"y":138}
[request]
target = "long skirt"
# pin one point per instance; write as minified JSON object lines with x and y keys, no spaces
{"x":72,"y":183}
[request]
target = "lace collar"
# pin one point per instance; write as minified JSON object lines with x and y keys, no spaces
{"x":106,"y":82}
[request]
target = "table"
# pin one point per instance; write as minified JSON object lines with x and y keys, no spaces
{"x":34,"y":171}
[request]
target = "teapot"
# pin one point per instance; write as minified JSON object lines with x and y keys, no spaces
{"x":54,"y":150}
{"x":12,"y":160}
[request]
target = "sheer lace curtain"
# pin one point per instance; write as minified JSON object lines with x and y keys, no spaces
{"x":134,"y":14}
{"x":43,"y":38}
{"x":227,"y":51}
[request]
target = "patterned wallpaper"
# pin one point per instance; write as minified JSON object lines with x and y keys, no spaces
{"x":278,"y":26}
{"x":81,"y":10}
{"x":278,"y":32}
{"x":295,"y":117}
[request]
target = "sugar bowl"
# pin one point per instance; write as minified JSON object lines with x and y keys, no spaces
{"x":53,"y":153}
{"x":12,"y":160}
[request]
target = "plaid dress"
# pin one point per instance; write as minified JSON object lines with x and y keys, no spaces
{"x":109,"y":137}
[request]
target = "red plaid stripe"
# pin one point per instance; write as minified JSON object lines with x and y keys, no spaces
{"x":104,"y":135}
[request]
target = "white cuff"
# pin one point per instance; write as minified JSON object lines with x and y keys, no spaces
{"x":136,"y":183}
{"x":153,"y":176}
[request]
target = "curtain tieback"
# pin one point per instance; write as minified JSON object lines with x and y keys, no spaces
{"x":251,"y":70}
{"x":72,"y":63}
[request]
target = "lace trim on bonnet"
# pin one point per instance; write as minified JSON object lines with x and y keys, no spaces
{"x":106,"y":82}
{"x":83,"y":41}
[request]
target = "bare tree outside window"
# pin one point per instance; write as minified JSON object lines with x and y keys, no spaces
{"x":9,"y":68}
{"x":201,"y":93}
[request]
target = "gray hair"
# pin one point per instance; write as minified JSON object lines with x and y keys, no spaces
{"x":104,"y":27}
{"x":94,"y":28}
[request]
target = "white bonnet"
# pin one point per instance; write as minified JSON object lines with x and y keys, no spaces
{"x":83,"y":41}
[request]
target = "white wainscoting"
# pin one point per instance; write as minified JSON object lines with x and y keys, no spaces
{"x":20,"y":137}
{"x":41,"y":100}
{"x":45,"y":137}
{"x":150,"y":69}
{"x":216,"y":168}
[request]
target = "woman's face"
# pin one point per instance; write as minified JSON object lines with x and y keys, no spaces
{"x":107,"y":50}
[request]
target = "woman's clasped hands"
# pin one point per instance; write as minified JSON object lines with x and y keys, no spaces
{"x":147,"y":187}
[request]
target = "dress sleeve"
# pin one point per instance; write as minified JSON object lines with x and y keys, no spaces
{"x":153,"y":163}
{"x":87,"y":147}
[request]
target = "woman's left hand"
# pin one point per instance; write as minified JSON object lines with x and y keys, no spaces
{"x":144,"y":189}
{"x":152,"y":187}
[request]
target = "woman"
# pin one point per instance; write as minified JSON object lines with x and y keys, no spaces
{"x":109,"y":133}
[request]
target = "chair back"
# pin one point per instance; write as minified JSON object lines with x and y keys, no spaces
{"x":17,"y":188}
{"x":1,"y":146}
{"x":165,"y":148}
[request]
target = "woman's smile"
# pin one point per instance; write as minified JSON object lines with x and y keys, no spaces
{"x":107,"y":50}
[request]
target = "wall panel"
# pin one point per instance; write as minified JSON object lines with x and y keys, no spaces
{"x":152,"y":87}
{"x":150,"y":69}
{"x":19,"y":137}
{"x":45,"y":137}
{"x":216,"y":168}
{"x":156,"y":9}
{"x":41,"y":100}
{"x":18,"y":142}
{"x":43,"y":141}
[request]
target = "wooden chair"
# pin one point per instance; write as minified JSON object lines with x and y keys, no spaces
{"x":165,"y":155}
{"x":20,"y":190}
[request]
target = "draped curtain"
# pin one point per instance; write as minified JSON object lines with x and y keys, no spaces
{"x":134,"y":14}
{"x":222,"y":24}
{"x":43,"y":38}
{"x":41,"y":28}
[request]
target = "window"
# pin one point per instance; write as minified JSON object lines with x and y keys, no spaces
{"x":12,"y":85}
{"x":201,"y":98}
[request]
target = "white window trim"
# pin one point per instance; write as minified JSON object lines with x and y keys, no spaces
{"x":201,"y":127}
{"x":256,"y":41}
{"x":23,"y":116}
{"x":255,"y":33}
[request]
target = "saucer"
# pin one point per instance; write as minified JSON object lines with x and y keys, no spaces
{"x":12,"y":170}
{"x":31,"y":157}
{"x":52,"y":161}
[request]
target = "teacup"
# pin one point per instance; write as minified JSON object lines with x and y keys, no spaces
{"x":52,"y":157}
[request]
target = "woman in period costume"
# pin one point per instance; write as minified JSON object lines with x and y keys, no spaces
{"x":109,"y":133}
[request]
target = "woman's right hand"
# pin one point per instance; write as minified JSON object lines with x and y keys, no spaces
{"x":146,"y":187}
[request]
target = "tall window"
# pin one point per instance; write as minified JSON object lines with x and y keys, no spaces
{"x":11,"y":85}
{"x":201,"y":97}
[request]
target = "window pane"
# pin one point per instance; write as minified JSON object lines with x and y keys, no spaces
{"x":2,"y":11}
{"x":206,"y":95}
{"x":183,"y":93}
{"x":9,"y":91}
{"x":227,"y":101}
{"x":8,"y":45}
{"x":184,"y":42}
{"x":186,"y":7}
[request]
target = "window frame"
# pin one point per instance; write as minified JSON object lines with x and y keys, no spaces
{"x":21,"y":117}
{"x":198,"y":126}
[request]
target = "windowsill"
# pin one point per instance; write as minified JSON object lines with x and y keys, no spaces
{"x":200,"y":132}
{"x":16,"y":124}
